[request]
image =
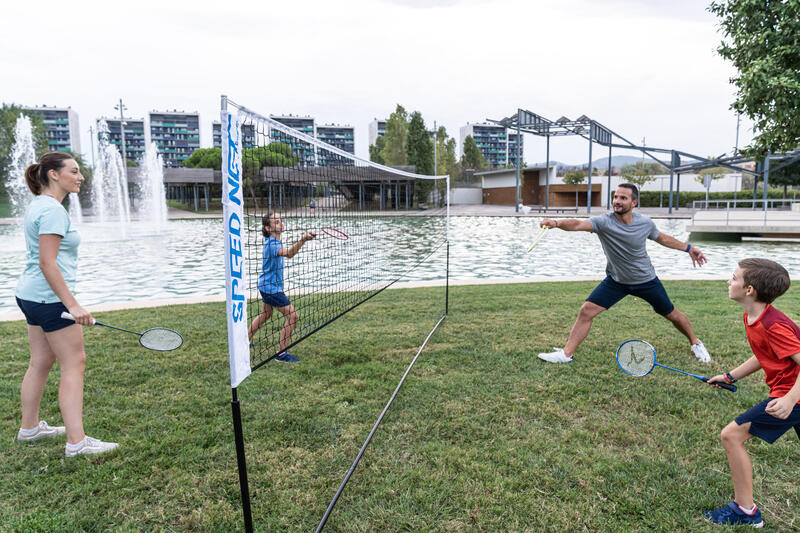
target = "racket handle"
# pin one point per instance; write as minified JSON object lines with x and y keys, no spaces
{"x":67,"y":316}
{"x":726,"y":386}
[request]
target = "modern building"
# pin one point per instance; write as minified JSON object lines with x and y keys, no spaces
{"x":177,"y":135}
{"x":248,"y":135}
{"x":377,"y":128}
{"x":63,"y":130}
{"x":499,"y":147}
{"x":135,"y":139}
{"x":341,"y":137}
{"x":303,"y":150}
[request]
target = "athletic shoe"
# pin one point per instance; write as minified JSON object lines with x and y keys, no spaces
{"x":39,"y":432}
{"x":89,"y":446}
{"x":286,"y":357}
{"x":558,"y":356}
{"x":699,"y":351}
{"x":732,"y":515}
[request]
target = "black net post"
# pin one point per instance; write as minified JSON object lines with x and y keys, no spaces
{"x":241,"y":462}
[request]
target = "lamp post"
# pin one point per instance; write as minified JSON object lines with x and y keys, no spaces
{"x":121,"y":107}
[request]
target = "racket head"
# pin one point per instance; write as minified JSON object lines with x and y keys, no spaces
{"x":335,"y":233}
{"x":161,"y":339}
{"x":636,"y":357}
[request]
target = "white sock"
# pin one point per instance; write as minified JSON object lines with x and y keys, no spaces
{"x":748,"y":511}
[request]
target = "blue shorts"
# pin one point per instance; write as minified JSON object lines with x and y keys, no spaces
{"x":610,"y":292}
{"x":767,"y":427}
{"x":46,"y":316}
{"x":278,"y":299}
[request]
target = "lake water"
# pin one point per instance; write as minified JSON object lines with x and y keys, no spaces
{"x":186,"y":258}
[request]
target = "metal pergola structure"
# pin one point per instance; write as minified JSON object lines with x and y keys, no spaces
{"x":525,"y":121}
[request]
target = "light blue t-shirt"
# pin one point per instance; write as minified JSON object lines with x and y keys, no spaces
{"x":46,"y":216}
{"x":625,"y":246}
{"x":271,"y":279}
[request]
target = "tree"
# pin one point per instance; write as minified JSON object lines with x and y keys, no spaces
{"x":375,"y":150}
{"x":472,"y":156}
{"x":574,"y":177}
{"x":641,"y":173}
{"x":760,"y":39}
{"x":275,"y":154}
{"x":419,"y":148}
{"x":9,"y":113}
{"x":445,"y":153}
{"x":205,"y":158}
{"x":788,"y":175}
{"x":712,"y":174}
{"x":394,"y":150}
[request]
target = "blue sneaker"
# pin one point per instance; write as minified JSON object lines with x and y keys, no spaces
{"x":286,"y":357}
{"x":732,"y":515}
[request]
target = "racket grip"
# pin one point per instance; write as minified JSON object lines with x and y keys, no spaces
{"x":726,"y":386}
{"x":67,"y":316}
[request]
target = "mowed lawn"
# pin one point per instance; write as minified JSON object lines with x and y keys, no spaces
{"x":482,"y":437}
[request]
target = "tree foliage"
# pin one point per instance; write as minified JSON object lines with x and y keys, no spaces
{"x":375,"y":150}
{"x":394,"y":150}
{"x":204,"y":158}
{"x":472,"y":156}
{"x":786,"y":176}
{"x":446,"y":162}
{"x":760,"y":38}
{"x":419,"y":148}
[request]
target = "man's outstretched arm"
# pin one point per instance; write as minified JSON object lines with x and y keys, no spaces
{"x":698,"y":259}
{"x":567,"y":224}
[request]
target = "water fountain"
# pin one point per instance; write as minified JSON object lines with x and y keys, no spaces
{"x":153,"y":205}
{"x":109,"y":183}
{"x":22,"y":155}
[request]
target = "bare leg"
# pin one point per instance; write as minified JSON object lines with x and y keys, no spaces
{"x":682,"y":324}
{"x":42,"y":359}
{"x":259,"y":321}
{"x":733,"y":438}
{"x":67,"y":344}
{"x":582,"y":326}
{"x":288,"y":326}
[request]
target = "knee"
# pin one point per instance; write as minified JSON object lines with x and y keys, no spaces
{"x":589,"y":311}
{"x":730,"y":436}
{"x":675,"y":316}
{"x":75,"y":363}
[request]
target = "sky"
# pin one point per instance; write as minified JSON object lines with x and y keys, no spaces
{"x":646,"y":69}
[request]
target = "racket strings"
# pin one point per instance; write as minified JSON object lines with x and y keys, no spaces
{"x":161,"y":339}
{"x":637,"y":358}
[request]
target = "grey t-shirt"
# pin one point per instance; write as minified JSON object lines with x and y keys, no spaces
{"x":625,"y":246}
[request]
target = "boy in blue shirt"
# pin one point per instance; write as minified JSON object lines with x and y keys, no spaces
{"x":270,"y":282}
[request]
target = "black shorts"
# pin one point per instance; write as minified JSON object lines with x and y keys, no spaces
{"x":610,"y":292}
{"x":46,"y":316}
{"x":278,"y":299}
{"x":767,"y":427}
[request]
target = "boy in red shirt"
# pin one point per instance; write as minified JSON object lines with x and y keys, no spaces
{"x":775,"y":340}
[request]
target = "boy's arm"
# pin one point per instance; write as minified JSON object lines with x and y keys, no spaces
{"x":782,"y":407}
{"x":698,"y":259}
{"x":293,"y":249}
{"x":741,"y":371}
{"x":567,"y":224}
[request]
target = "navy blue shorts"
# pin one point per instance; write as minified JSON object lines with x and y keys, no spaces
{"x":610,"y":292}
{"x":278,"y":299}
{"x":46,"y":316}
{"x":767,"y":427}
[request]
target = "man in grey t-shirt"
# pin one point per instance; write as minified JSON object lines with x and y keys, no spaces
{"x":624,"y":235}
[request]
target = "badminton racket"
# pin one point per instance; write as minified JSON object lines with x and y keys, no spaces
{"x":538,"y":238}
{"x":638,"y":358}
{"x":335,"y":233}
{"x":158,"y":339}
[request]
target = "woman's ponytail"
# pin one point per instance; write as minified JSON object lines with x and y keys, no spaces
{"x":32,"y":178}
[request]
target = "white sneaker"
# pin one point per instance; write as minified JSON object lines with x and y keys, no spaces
{"x":39,"y":432}
{"x":699,"y":351}
{"x":558,"y":356}
{"x":89,"y":446}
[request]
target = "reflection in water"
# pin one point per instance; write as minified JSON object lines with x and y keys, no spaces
{"x":186,"y":257}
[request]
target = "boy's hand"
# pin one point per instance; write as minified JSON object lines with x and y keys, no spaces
{"x":308,"y":236}
{"x":719,"y":378}
{"x":698,"y":259}
{"x":780,"y":407}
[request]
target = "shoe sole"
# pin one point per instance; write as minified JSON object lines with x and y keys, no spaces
{"x":92,"y":451}
{"x":38,"y":436}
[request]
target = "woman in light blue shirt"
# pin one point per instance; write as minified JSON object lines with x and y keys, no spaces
{"x":44,"y":291}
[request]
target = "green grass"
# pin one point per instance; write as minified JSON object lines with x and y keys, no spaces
{"x":483,"y":436}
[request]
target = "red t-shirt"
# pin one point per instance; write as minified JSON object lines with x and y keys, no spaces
{"x":774,"y":338}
